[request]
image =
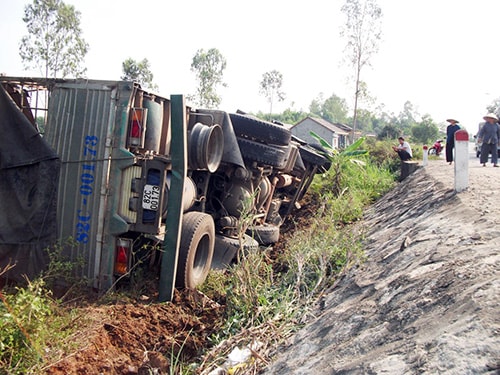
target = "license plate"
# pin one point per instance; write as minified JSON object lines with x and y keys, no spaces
{"x":151,"y":197}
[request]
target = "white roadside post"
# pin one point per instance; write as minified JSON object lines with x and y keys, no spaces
{"x":425,"y":156}
{"x":461,"y":160}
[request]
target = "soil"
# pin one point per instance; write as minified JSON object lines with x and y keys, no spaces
{"x":426,"y":300}
{"x":142,"y":337}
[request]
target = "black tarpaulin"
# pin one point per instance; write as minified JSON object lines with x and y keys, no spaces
{"x":29,"y":172}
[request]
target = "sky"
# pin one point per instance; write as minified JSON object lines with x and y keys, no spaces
{"x":441,"y":55}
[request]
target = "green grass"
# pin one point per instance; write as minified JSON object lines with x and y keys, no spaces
{"x":34,"y":325}
{"x":34,"y":328}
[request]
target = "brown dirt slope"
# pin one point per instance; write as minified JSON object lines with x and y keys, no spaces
{"x":427,"y":300}
{"x":140,"y":338}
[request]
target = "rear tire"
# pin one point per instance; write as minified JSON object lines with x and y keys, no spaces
{"x":274,"y":156}
{"x":259,"y":130}
{"x":227,"y":249}
{"x":196,"y":249}
{"x":264,"y":234}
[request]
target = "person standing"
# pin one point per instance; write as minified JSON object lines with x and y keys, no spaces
{"x":452,"y":128}
{"x":403,"y":149}
{"x":489,"y":134}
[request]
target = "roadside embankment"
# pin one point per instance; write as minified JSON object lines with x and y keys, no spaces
{"x":427,"y":298}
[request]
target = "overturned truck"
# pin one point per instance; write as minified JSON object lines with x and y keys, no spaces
{"x":118,"y":175}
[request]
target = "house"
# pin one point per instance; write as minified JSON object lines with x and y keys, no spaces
{"x":336,"y":134}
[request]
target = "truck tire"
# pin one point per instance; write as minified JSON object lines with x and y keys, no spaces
{"x":196,"y":249}
{"x":264,"y":234}
{"x":275,"y":156}
{"x":227,"y":248}
{"x":259,"y":130}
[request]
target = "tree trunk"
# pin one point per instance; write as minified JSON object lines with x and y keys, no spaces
{"x":356,"y":95}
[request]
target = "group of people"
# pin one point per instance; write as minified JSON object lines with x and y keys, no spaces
{"x":489,"y":135}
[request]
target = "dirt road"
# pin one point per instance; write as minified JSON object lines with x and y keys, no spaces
{"x":427,"y":300}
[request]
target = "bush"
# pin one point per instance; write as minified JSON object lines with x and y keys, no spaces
{"x":34,"y":326}
{"x":24,"y":317}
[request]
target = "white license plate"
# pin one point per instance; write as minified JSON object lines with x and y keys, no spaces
{"x":151,"y":197}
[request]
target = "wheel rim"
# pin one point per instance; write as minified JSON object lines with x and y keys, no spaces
{"x":206,"y":145}
{"x":200,"y":259}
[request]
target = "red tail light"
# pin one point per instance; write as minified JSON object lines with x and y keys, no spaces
{"x":137,"y":127}
{"x":122,"y":256}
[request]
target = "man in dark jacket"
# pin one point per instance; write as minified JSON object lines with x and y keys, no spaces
{"x":489,"y":134}
{"x":450,"y":139}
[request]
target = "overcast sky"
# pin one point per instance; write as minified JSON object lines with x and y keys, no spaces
{"x":441,"y":55}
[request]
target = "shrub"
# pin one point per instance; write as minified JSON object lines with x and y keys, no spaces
{"x":24,"y":317}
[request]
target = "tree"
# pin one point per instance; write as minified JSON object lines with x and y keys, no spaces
{"x":209,"y":69}
{"x":364,"y":95}
{"x":333,"y":109}
{"x":315,"y":106}
{"x":54,"y":43}
{"x":494,"y":107}
{"x":425,"y":131}
{"x":389,"y":131}
{"x":363,"y":32}
{"x":288,"y":116}
{"x":407,"y":118}
{"x":382,"y":119}
{"x":138,"y":71}
{"x":270,"y":86}
{"x":365,"y":120}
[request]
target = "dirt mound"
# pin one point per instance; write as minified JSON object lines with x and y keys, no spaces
{"x":133,"y":338}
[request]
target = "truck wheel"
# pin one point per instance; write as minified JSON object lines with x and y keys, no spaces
{"x":226,"y":249}
{"x":275,"y":156}
{"x":265,"y":234}
{"x":263,"y":131}
{"x":196,"y":249}
{"x":206,"y":144}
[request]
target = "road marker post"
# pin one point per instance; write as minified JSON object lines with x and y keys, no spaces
{"x":425,"y":156}
{"x":461,"y":160}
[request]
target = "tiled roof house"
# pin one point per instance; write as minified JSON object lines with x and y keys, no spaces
{"x":336,"y":134}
